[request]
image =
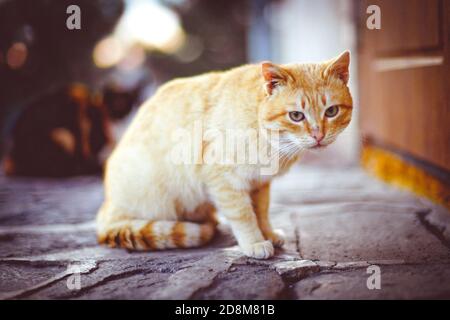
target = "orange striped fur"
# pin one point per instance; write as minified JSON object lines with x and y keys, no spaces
{"x":153,"y":203}
{"x":151,"y":237}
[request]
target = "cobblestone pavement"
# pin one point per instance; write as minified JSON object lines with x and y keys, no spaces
{"x":338,"y":222}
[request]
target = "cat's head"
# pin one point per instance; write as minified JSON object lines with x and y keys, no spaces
{"x":310,"y":104}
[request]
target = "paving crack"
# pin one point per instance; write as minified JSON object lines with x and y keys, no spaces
{"x":289,"y":271}
{"x":431,"y":228}
{"x":82,"y":268}
{"x":314,"y":288}
{"x":109,"y":278}
{"x":214,"y":282}
{"x":184,"y":283}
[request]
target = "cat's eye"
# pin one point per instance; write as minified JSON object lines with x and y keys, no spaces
{"x":296,"y":116}
{"x":332,"y":111}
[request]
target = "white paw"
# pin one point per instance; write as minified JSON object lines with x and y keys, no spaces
{"x":277,"y":238}
{"x":259,"y":250}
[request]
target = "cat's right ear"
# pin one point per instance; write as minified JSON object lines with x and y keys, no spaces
{"x":274,"y":76}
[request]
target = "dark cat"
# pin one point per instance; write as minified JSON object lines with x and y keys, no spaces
{"x":66,"y":132}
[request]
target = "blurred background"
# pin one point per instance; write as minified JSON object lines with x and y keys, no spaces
{"x":66,"y":95}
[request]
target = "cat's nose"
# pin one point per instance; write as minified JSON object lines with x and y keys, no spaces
{"x":317,"y":134}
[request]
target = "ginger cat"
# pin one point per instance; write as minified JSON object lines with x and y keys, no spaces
{"x":151,"y":203}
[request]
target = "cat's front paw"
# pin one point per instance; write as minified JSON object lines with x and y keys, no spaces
{"x":259,"y":250}
{"x":276,"y":237}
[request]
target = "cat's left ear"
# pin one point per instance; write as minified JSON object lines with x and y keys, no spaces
{"x":274,"y":76}
{"x":339,"y":66}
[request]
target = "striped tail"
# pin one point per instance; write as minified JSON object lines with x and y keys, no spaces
{"x":156,"y":235}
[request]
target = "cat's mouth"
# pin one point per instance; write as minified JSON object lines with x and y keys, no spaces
{"x":318,"y":146}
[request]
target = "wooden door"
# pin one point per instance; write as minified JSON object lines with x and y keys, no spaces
{"x":404,"y":72}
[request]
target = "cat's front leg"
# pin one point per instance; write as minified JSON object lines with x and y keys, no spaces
{"x":237,"y":208}
{"x":260,"y":201}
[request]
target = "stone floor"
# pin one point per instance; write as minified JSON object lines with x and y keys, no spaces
{"x":338,"y":222}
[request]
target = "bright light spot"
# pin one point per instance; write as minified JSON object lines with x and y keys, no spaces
{"x":151,"y":25}
{"x":17,"y":55}
{"x":108,"y":52}
{"x":134,"y":59}
{"x":191,"y":50}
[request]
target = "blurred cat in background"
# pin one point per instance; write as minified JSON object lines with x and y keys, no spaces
{"x":69,"y":131}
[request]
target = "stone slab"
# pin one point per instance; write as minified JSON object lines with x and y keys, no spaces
{"x":368,"y":235}
{"x":397,"y":282}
